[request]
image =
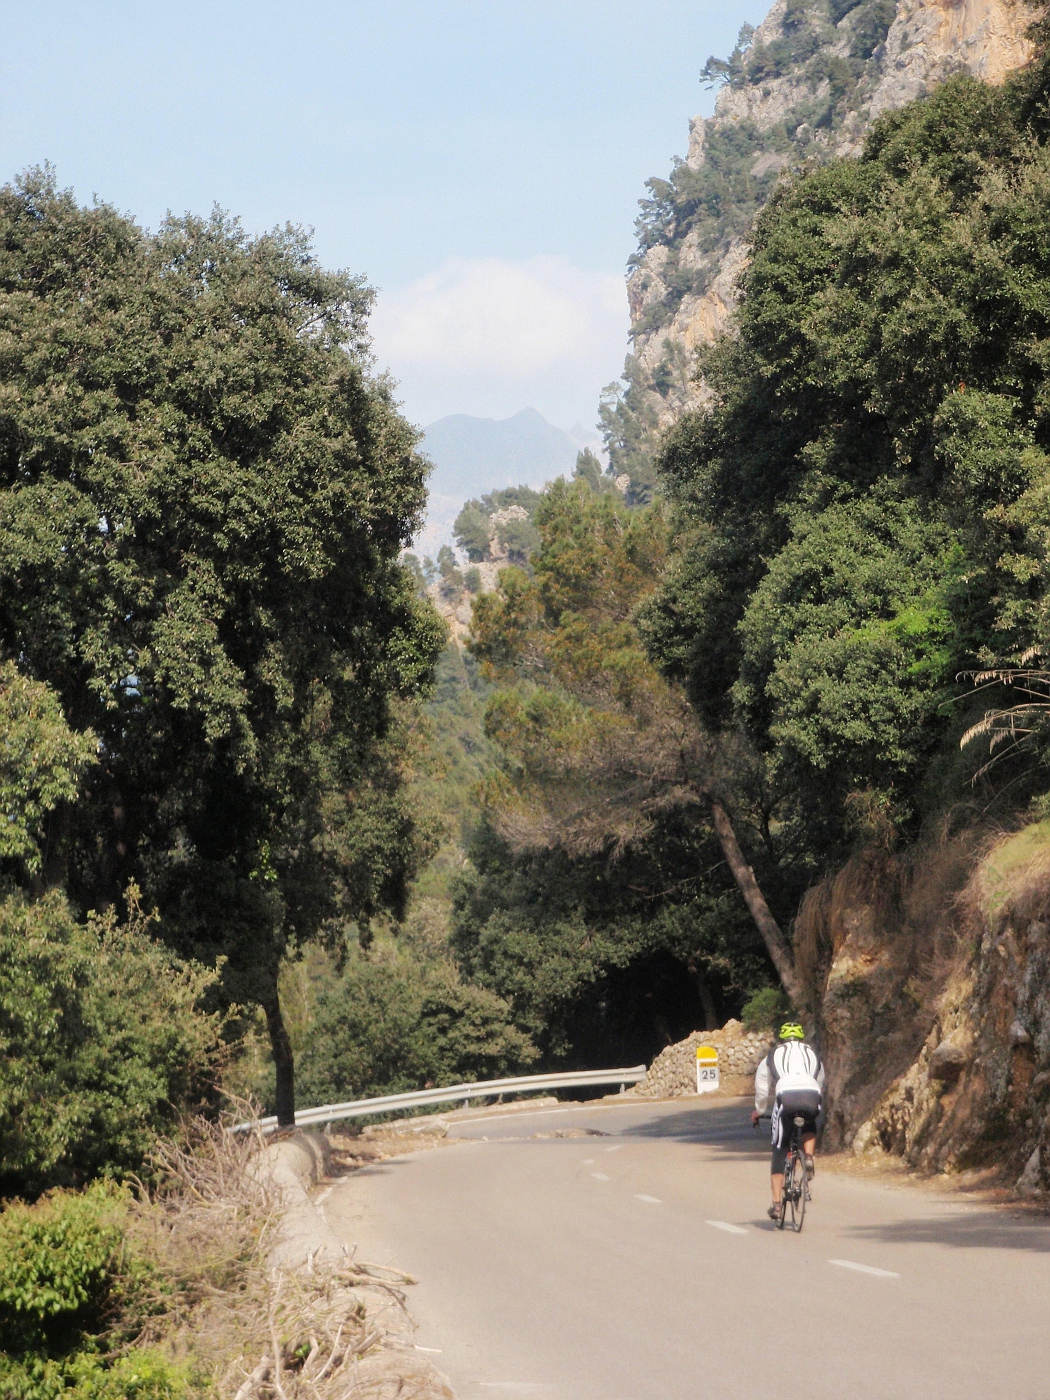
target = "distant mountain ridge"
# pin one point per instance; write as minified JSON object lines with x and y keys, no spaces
{"x":475,"y":455}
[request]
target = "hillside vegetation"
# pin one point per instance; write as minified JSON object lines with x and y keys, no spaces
{"x":778,"y":654}
{"x":799,"y":91}
{"x":766,"y":729}
{"x":862,"y":513}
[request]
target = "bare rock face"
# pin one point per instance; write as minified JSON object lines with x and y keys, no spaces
{"x":976,"y":1092}
{"x":927,"y":41}
{"x":1029,"y":1183}
{"x":865,"y":942}
{"x":931,"y":39}
{"x":949,"y":1060}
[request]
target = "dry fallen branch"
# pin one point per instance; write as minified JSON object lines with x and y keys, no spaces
{"x":1009,"y":725}
{"x":250,"y":1331}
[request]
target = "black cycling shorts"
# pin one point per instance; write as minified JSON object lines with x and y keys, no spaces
{"x":791,"y":1104}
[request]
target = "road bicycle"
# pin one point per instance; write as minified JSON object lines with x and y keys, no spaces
{"x":795,"y":1194}
{"x":796,"y":1183}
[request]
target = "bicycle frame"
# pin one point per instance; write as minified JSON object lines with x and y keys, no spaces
{"x":795,"y":1192}
{"x":796,"y":1184}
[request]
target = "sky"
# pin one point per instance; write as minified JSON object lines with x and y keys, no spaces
{"x":480,"y":161}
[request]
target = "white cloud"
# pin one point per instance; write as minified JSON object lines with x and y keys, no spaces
{"x":490,"y":336}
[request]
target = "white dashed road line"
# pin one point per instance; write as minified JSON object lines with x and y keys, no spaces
{"x":599,"y":1176}
{"x":729,"y":1229}
{"x":650,"y":1200}
{"x":864,"y":1268}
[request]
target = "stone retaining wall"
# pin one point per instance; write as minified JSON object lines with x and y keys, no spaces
{"x":673,"y":1072}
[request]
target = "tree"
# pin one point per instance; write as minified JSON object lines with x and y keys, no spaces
{"x":504,"y":515}
{"x":391,"y":1026}
{"x":588,"y":468}
{"x":203,"y":496}
{"x":103,"y":1042}
{"x":42,"y":764}
{"x":860,"y":513}
{"x":449,"y":574}
{"x":603,"y":748}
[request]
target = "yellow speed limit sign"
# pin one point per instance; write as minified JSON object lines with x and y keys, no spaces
{"x":706,"y":1069}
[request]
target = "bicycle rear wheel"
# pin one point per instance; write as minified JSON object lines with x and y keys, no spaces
{"x":795,"y":1192}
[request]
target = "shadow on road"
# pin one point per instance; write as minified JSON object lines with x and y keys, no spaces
{"x":986,"y":1230}
{"x":728,"y":1128}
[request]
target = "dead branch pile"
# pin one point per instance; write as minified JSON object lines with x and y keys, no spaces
{"x":250,"y":1331}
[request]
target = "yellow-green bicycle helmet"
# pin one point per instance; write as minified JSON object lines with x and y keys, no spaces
{"x":791,"y":1030}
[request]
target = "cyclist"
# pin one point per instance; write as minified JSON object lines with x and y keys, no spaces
{"x":793,"y":1077}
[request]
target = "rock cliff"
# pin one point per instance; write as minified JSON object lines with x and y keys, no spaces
{"x":805,"y":86}
{"x":930,"y":976}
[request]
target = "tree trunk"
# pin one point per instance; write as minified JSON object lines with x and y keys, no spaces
{"x":284,"y":1062}
{"x":53,"y":872}
{"x":707,"y":1001}
{"x":776,"y":944}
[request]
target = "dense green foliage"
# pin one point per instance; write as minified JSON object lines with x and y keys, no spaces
{"x":386,"y":1026}
{"x":397,"y":1015}
{"x":515,"y":533}
{"x":605,"y":960}
{"x":102,"y":1043}
{"x":203,"y":496}
{"x":59,"y":1262}
{"x":65,"y":1276}
{"x":629,"y":422}
{"x":859,"y":519}
{"x":585,"y":906}
{"x":41,"y":764}
{"x":862,"y":515}
{"x":454,"y":757}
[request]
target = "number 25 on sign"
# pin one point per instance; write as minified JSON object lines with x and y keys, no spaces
{"x":706,"y":1069}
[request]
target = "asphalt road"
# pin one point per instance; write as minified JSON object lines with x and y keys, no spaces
{"x":638,"y":1264}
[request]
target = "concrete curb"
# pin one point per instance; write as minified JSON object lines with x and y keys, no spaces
{"x":293,"y":1165}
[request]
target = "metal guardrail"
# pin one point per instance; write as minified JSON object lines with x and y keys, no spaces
{"x":484,"y":1089}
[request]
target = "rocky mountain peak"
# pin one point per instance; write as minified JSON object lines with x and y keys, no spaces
{"x":805,"y":85}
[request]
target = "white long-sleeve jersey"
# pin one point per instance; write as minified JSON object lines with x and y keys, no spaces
{"x":793,"y":1065}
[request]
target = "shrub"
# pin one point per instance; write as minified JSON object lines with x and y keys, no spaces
{"x":58,"y":1262}
{"x":66,"y":1278}
{"x":144,"y":1375}
{"x":766,"y":1009}
{"x":389,"y":1027}
{"x":102,"y":1043}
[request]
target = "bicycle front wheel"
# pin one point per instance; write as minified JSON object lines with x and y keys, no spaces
{"x":795,"y":1191}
